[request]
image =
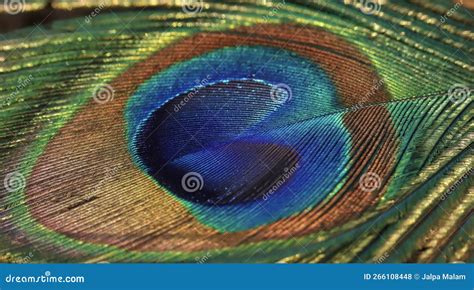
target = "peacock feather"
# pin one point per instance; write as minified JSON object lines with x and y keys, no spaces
{"x":244,"y":131}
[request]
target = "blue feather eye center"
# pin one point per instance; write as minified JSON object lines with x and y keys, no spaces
{"x":238,"y":128}
{"x":202,"y":147}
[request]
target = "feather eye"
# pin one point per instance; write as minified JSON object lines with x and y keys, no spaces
{"x":246,"y":134}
